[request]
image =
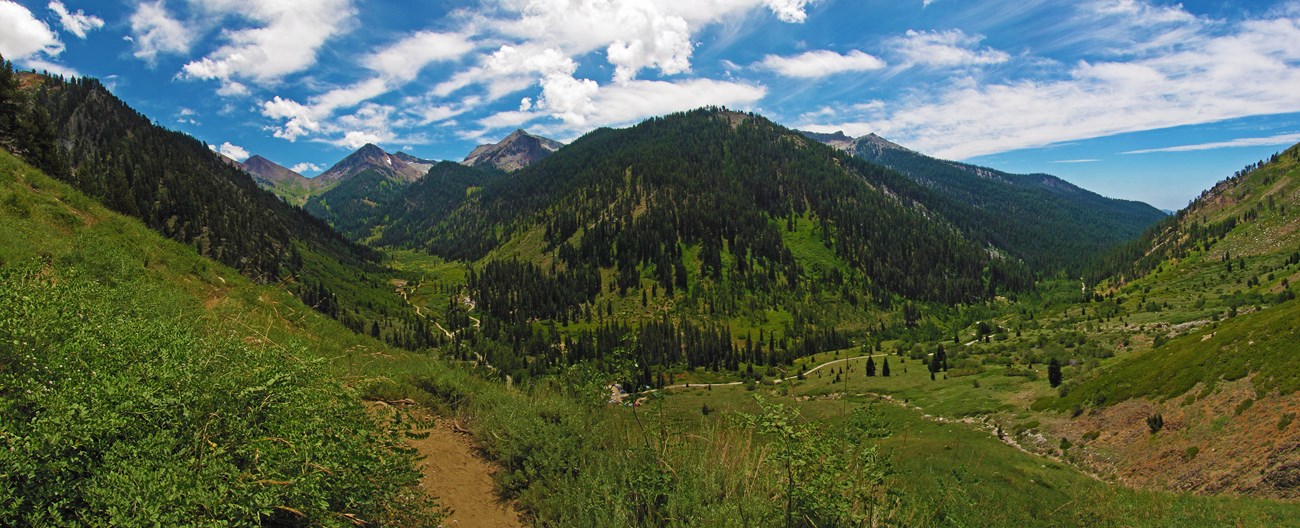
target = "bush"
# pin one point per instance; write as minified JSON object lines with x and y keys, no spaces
{"x":1155,"y":423}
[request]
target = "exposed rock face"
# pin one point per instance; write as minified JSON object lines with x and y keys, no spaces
{"x":518,"y":150}
{"x":371,"y":157}
{"x":268,"y":173}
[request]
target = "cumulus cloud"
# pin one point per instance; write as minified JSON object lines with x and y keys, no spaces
{"x":821,"y":63}
{"x":78,"y":23}
{"x":298,"y":119}
{"x":155,"y":32}
{"x":306,"y":167}
{"x":1202,"y":81}
{"x":230,"y":150}
{"x":284,"y":39}
{"x":1279,"y":139}
{"x":354,"y":139}
{"x":23,"y":36}
{"x":789,"y":10}
{"x":945,"y":49}
{"x":635,"y":34}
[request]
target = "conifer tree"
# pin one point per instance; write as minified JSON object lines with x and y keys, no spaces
{"x":1054,"y":372}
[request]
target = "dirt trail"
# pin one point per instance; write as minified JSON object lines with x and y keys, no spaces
{"x":462,"y":480}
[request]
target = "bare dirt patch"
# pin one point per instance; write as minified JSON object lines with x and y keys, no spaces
{"x":461,"y":479}
{"x":1229,"y":441}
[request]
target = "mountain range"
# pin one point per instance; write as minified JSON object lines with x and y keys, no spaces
{"x":931,"y":308}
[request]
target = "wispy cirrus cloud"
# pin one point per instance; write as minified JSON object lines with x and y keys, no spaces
{"x":820,"y":63}
{"x":78,"y":23}
{"x":284,"y":38}
{"x":1279,"y":139}
{"x":1199,"y":81}
{"x":945,"y":49}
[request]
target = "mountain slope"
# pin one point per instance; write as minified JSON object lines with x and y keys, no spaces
{"x":1212,"y":292}
{"x":518,"y":150}
{"x":351,"y":193}
{"x":175,"y":184}
{"x":372,"y":158}
{"x":184,"y":191}
{"x":725,"y":183}
{"x":1048,"y":222}
{"x":285,"y":183}
{"x":141,"y":380}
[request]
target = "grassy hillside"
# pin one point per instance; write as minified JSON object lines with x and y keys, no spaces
{"x":1224,"y":279}
{"x":130,"y":396}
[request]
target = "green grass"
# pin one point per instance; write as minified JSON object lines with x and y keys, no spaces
{"x":1263,"y":343}
{"x":125,"y":400}
{"x":952,"y":474}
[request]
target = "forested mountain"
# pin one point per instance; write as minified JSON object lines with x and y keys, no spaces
{"x":729,"y":183}
{"x":172,"y":182}
{"x":518,"y":150}
{"x":1049,"y":223}
{"x":78,"y":132}
{"x":351,"y":193}
{"x":703,"y":216}
{"x":370,"y":157}
{"x":287,"y":184}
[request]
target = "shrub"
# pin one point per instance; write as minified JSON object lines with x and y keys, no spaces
{"x":1155,"y":423}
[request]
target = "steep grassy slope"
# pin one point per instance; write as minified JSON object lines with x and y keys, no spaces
{"x":141,"y":383}
{"x":181,"y":189}
{"x":1048,"y":222}
{"x":1232,"y":255}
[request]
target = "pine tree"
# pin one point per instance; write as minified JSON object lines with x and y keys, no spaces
{"x":871,"y":367}
{"x":1054,"y":372}
{"x":884,"y":369}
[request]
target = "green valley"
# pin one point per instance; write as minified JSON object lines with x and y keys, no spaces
{"x":702,"y":319}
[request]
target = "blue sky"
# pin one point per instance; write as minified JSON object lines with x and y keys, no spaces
{"x":1138,"y":99}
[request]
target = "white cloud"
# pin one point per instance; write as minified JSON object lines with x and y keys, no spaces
{"x":305,"y":167}
{"x":1280,"y":139}
{"x":617,"y":105}
{"x":1250,"y":69}
{"x":404,"y":60}
{"x":78,"y":23}
{"x":788,"y":10}
{"x":299,"y":121}
{"x":155,"y":32}
{"x":945,"y":49}
{"x":354,"y":139}
{"x":635,"y":34}
{"x":231,"y":151}
{"x":23,"y":36}
{"x":820,"y":63}
{"x":1076,"y":161}
{"x":284,"y":39}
